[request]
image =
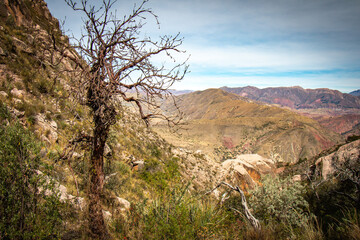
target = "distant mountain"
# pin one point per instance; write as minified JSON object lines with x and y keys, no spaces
{"x":345,"y":124}
{"x":233,"y":125}
{"x":355,"y":93}
{"x":299,"y":98}
{"x":180,"y":92}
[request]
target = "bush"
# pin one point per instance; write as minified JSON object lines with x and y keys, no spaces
{"x":26,"y":212}
{"x":280,"y":200}
{"x":175,"y":215}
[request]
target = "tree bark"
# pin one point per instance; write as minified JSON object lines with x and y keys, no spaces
{"x":97,"y":225}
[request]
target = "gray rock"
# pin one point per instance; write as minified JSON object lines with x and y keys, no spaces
{"x":48,"y":127}
{"x":3,"y":94}
{"x":53,"y":124}
{"x":17,"y":93}
{"x":17,"y":101}
{"x":124,"y":204}
{"x":347,"y":153}
{"x":16,"y":113}
{"x":296,"y":178}
{"x":77,"y":155}
{"x":138,"y":165}
{"x":107,"y":151}
{"x":21,"y":45}
{"x":107,"y":215}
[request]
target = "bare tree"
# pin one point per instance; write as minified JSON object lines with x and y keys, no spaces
{"x":115,"y":66}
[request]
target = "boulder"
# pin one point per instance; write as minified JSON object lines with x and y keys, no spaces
{"x":347,"y":153}
{"x":63,"y":195}
{"x":17,"y":101}
{"x":17,"y":113}
{"x":246,"y":170}
{"x":17,"y":93}
{"x":53,"y":124}
{"x":77,"y":155}
{"x":138,"y":165}
{"x":124,"y":204}
{"x":3,"y":94}
{"x":49,"y":127}
{"x":107,"y":215}
{"x":21,"y":45}
{"x":296,"y":178}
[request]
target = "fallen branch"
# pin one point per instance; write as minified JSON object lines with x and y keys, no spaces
{"x":254,"y":222}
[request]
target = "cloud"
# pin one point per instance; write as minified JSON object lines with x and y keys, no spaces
{"x":250,"y":40}
{"x":287,"y":57}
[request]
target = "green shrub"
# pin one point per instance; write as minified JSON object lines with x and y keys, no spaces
{"x":280,"y":200}
{"x":175,"y":215}
{"x":26,"y":212}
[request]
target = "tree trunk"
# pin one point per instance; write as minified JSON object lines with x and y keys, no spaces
{"x":97,"y":225}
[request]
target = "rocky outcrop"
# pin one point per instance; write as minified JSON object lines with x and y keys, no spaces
{"x":198,"y":168}
{"x":23,"y":12}
{"x":246,"y":170}
{"x":328,"y":165}
{"x":205,"y":172}
{"x":47,"y":129}
{"x":64,"y":196}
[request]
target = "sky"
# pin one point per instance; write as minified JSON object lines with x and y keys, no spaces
{"x":262,"y":43}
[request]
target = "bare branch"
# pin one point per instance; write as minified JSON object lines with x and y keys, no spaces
{"x":254,"y":222}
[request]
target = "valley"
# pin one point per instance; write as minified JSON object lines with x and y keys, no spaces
{"x":225,"y":124}
{"x":156,"y":179}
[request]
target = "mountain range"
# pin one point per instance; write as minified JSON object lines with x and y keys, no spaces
{"x":355,"y":93}
{"x":154,"y":184}
{"x":230,"y":124}
{"x":334,"y":110}
{"x":298,"y":97}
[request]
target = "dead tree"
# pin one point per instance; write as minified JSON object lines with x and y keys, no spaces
{"x":115,"y":65}
{"x":253,"y":221}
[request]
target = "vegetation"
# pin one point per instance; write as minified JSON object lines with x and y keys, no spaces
{"x":29,"y":203}
{"x":280,"y":200}
{"x":162,"y":205}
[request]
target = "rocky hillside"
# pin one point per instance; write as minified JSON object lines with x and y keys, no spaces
{"x":328,"y":165}
{"x":229,"y":124}
{"x":38,"y":93}
{"x":334,"y":110}
{"x":355,"y":93}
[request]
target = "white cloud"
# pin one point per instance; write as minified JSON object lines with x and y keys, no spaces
{"x":287,"y":57}
{"x":256,"y":36}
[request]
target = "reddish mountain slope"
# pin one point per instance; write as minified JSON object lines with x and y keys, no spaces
{"x":299,"y":98}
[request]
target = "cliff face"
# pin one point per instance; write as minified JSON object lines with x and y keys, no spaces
{"x":35,"y":89}
{"x":27,"y":13}
{"x":348,"y":154}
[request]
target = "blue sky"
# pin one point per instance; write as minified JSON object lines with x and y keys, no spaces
{"x":263,"y":43}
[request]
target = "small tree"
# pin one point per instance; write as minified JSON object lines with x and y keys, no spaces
{"x":29,"y":204}
{"x":116,"y":66}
